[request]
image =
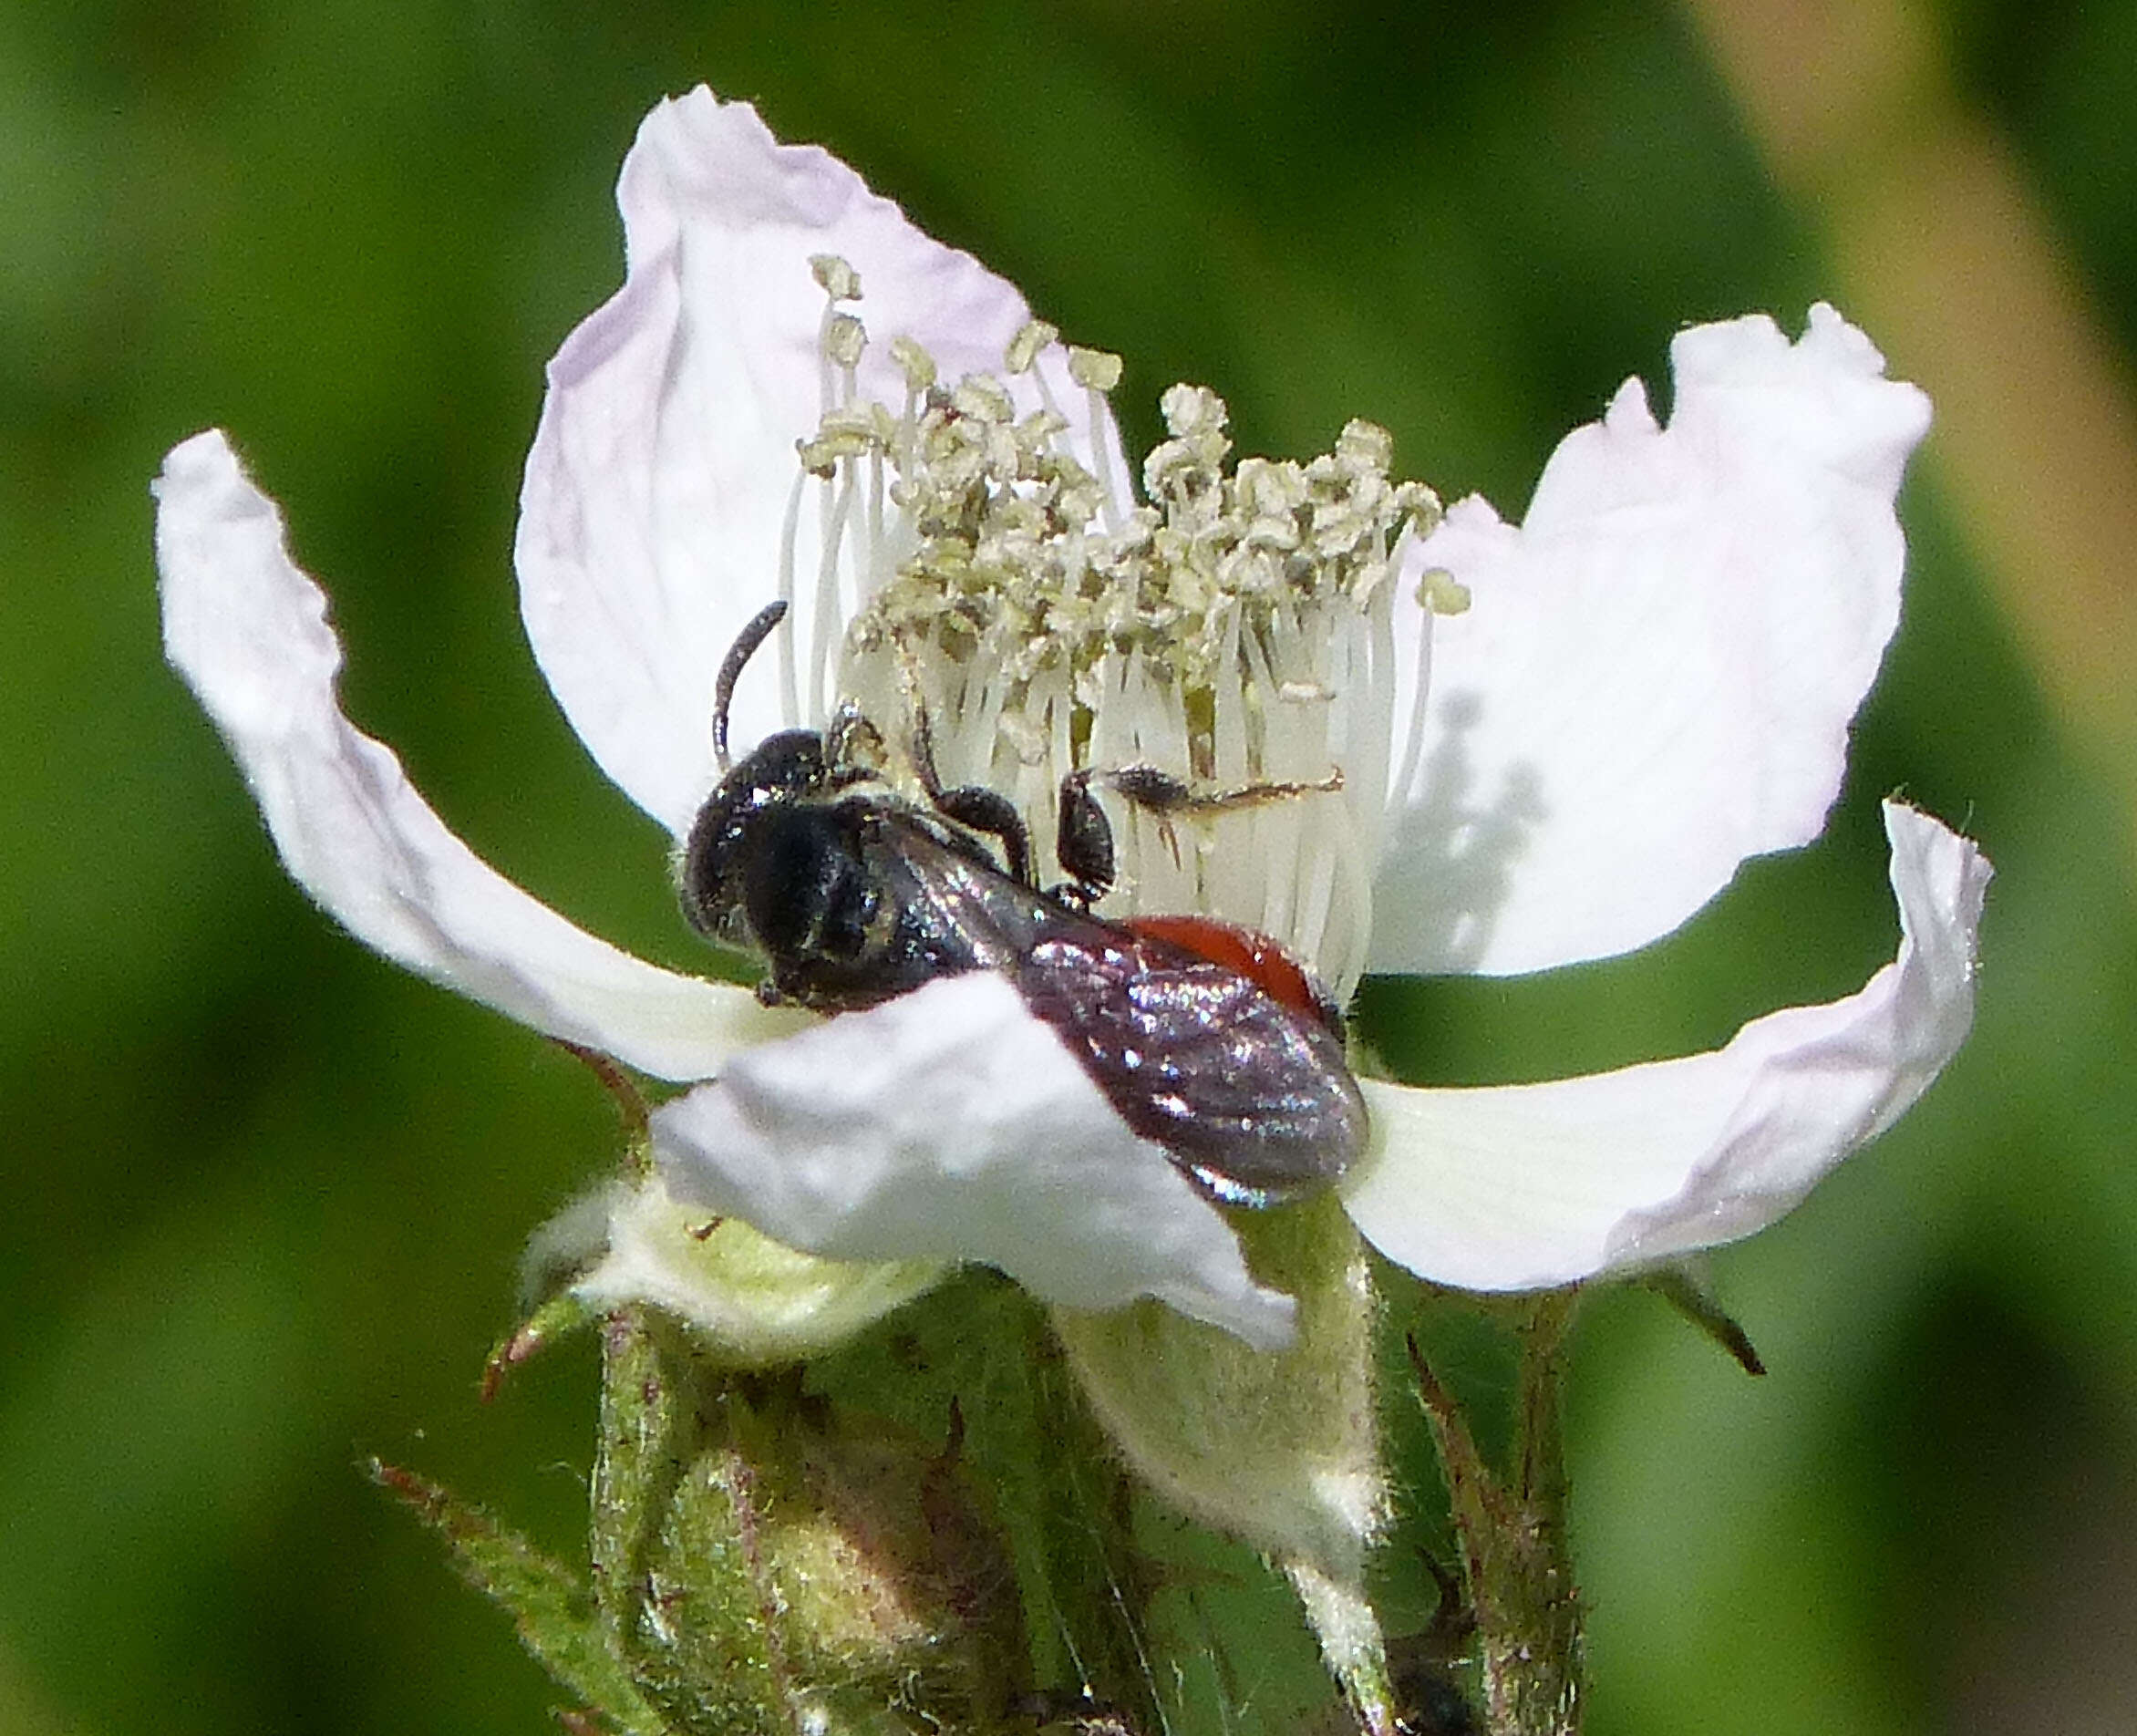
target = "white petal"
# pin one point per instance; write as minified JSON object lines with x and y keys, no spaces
{"x":951,"y":1124}
{"x":1657,"y":677}
{"x":248,"y":632}
{"x":651,"y":519}
{"x":1523,"y":1187}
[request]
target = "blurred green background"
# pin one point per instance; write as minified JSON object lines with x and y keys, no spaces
{"x":264,"y":1193}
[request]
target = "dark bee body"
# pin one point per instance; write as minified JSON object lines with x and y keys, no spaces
{"x":1207,"y":1040}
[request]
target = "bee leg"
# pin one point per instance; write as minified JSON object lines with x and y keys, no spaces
{"x":1084,"y":836}
{"x":1083,"y":843}
{"x":1160,"y":793}
{"x":973,"y":805}
{"x":980,"y":808}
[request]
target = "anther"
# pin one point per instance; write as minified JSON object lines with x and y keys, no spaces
{"x":914,"y":363}
{"x":1443,"y":593}
{"x":835,"y":277}
{"x":1024,"y":349}
{"x":1367,"y":444}
{"x":844,"y":338}
{"x":1095,"y":370}
{"x":982,"y":399}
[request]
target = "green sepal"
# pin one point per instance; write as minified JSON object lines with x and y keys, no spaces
{"x":558,"y":1318}
{"x":1071,"y":1509}
{"x":1687,"y":1286}
{"x":751,"y":1302}
{"x":1280,"y":1449}
{"x":553,"y":1609}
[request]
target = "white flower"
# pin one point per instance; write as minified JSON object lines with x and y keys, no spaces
{"x":1655,"y":681}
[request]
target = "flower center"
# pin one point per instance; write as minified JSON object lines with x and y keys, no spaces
{"x":1235,"y":631}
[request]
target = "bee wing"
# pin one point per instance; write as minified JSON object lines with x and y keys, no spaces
{"x":1252,"y":1098}
{"x":956,"y":910}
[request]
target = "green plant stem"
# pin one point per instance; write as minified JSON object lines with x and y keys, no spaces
{"x":1531,"y":1658}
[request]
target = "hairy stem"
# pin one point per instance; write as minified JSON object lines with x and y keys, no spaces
{"x":1530,"y":1657}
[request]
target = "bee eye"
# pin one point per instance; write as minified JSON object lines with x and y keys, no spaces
{"x":715,"y":882}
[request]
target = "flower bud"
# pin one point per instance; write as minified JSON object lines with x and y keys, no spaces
{"x":773,"y":1565}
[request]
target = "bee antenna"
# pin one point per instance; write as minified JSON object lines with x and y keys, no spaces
{"x":730,"y":671}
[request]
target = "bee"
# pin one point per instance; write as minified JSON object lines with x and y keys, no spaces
{"x":1207,"y":1039}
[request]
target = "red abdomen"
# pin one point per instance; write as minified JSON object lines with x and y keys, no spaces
{"x":1268,"y":966}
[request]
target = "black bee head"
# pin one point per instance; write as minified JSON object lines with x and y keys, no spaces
{"x":731,"y":831}
{"x":807,"y":892}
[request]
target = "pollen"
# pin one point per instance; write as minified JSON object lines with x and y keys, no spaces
{"x":974,"y":554}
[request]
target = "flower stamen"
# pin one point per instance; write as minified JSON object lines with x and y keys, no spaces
{"x":1235,"y":632}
